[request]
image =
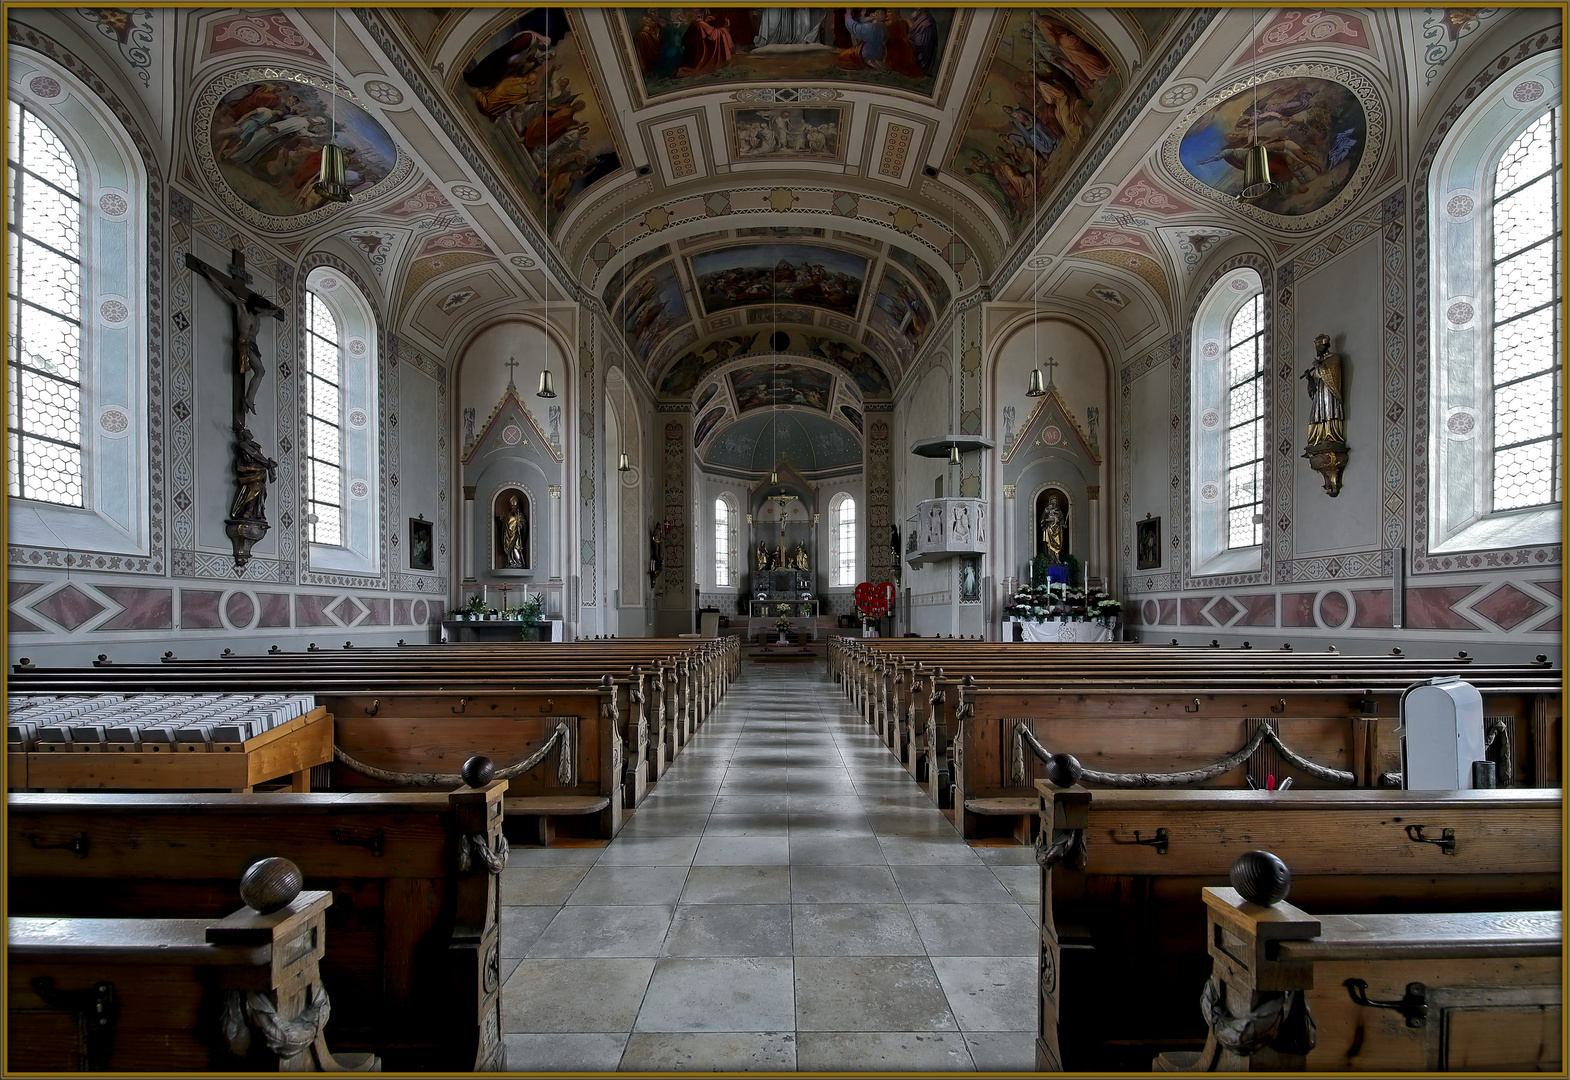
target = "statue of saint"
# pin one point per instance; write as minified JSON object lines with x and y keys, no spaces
{"x":1326,"y":418}
{"x":514,"y":525}
{"x":1052,"y":529}
{"x":763,"y":555}
{"x":801,"y":556}
{"x":252,"y":470}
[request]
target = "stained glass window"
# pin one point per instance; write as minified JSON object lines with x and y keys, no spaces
{"x":1244,"y":446}
{"x":44,"y":287}
{"x":1526,"y":319}
{"x":323,"y":423}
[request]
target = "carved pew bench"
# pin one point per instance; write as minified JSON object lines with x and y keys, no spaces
{"x":165,"y":995}
{"x":1474,"y":991}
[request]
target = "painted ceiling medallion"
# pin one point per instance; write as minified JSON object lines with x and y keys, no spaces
{"x":259,"y":138}
{"x":1324,"y":127}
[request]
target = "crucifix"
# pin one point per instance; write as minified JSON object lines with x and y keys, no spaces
{"x":247,"y":521}
{"x":510,"y":365}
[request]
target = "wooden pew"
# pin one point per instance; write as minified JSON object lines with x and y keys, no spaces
{"x":1472,"y":991}
{"x":414,"y":876}
{"x":1122,"y":873}
{"x":168,"y":995}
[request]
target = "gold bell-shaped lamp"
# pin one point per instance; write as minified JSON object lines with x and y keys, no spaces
{"x":332,"y":181}
{"x":547,"y":385}
{"x":622,"y":464}
{"x":1256,"y":174}
{"x":953,"y":454}
{"x":1036,"y":389}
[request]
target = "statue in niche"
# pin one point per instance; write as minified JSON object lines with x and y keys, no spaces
{"x":252,"y":471}
{"x":1053,"y":521}
{"x":1327,"y":448}
{"x":513,"y":529}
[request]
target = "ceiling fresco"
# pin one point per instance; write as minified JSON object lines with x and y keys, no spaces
{"x":528,"y":90}
{"x":779,"y":274}
{"x":781,"y":384}
{"x":1045,"y":91}
{"x":809,"y":442}
{"x":685,"y":49}
{"x":653,"y":307}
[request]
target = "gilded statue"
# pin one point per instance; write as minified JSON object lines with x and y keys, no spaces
{"x":763,"y":555}
{"x":252,"y":470}
{"x":514,"y":525}
{"x":801,"y":557}
{"x":1326,"y":417}
{"x":1052,"y":529}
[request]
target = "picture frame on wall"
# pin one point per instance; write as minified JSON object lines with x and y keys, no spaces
{"x":421,"y":544}
{"x":1147,"y":535}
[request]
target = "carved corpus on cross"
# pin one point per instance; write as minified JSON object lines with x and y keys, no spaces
{"x":247,"y":521}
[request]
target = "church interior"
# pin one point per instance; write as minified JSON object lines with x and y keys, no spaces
{"x":671,"y":465}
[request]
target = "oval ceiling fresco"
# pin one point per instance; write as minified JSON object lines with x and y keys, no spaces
{"x":810,"y":442}
{"x":266,"y":138}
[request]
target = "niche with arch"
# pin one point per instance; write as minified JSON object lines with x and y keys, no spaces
{"x":512,"y":533}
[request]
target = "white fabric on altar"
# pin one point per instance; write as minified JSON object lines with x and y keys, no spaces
{"x":1076,"y":630}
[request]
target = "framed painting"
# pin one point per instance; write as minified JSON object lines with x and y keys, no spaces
{"x":421,"y":546}
{"x":1147,"y":535}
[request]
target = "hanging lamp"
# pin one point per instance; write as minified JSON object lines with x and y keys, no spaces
{"x":547,"y":382}
{"x":1256,"y":159}
{"x":332,"y":181}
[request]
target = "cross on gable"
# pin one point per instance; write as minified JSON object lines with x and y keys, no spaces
{"x":1049,"y":365}
{"x":510,"y":365}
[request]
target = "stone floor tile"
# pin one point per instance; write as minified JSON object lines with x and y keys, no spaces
{"x":748,"y":824}
{"x":753,"y":993}
{"x":577,"y":1051}
{"x":870,"y":993}
{"x":837,"y":824}
{"x":651,"y":819}
{"x":882,"y":1051}
{"x":737,"y":885}
{"x":730,"y":930}
{"x":751,"y":804}
{"x":974,"y":929}
{"x":743,"y":851}
{"x":651,"y":851}
{"x":630,"y":886}
{"x":710,"y":1051}
{"x":843,"y":885}
{"x":1022,"y":882}
{"x":521,"y":927}
{"x":521,"y":855}
{"x":990,"y":993}
{"x":808,"y":849}
{"x":854,"y":930}
{"x":945,"y":884}
{"x":539,"y":885}
{"x":1002,"y":1051}
{"x":575,"y":995}
{"x":805,"y":803}
{"x":1007,"y":855}
{"x":590,"y":930}
{"x":949,"y":850}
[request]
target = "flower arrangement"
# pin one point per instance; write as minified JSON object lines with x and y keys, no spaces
{"x":782,"y":625}
{"x":477,"y":608}
{"x":1035,"y":603}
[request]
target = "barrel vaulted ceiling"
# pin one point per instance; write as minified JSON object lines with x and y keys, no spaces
{"x":748,"y":188}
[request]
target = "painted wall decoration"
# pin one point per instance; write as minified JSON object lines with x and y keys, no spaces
{"x":706,"y":425}
{"x":758,"y":134}
{"x":785,"y":384}
{"x":1315,"y":131}
{"x":936,"y":287}
{"x":900,"y":313}
{"x":267,"y":140}
{"x":652,"y":308}
{"x":691,"y":366}
{"x":854,"y":416}
{"x":1045,"y":90}
{"x":778,"y":232}
{"x":708,"y":396}
{"x":779,"y":273}
{"x":529,"y":92}
{"x":632,"y":268}
{"x":869,"y":377}
{"x":681,"y":49}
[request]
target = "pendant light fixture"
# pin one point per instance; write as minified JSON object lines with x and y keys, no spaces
{"x":623,"y":463}
{"x":332,"y":181}
{"x":547,"y":383}
{"x":1256,"y":159}
{"x":774,"y":378}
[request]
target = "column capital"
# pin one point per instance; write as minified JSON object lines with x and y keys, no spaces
{"x":468,"y":492}
{"x":1093,"y":492}
{"x":555,"y":490}
{"x":1010,"y":490}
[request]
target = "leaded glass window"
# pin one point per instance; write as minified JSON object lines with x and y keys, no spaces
{"x":1526,"y":318}
{"x":323,"y":423}
{"x":44,"y":287}
{"x":1245,"y":425}
{"x":845,"y":541}
{"x":722,"y":542}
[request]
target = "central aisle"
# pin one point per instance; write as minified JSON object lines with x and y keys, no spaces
{"x":785,"y":898}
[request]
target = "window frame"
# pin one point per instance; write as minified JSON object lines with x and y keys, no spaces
{"x":1460,"y":435}
{"x":314,"y":415}
{"x":359,"y":550}
{"x":115,"y":516}
{"x":837,"y":552}
{"x":1210,"y":547}
{"x":725,"y":541}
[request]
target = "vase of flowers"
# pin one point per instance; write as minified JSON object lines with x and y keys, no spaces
{"x":782,"y":626}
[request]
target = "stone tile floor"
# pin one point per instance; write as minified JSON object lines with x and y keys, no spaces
{"x":785,"y":899}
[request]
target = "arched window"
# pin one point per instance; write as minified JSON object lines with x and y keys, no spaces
{"x":323,"y":424}
{"x":842,"y":557}
{"x":1228,"y":426}
{"x":76,"y":370}
{"x":340,"y":424}
{"x":724,"y":541}
{"x":1495,"y":307}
